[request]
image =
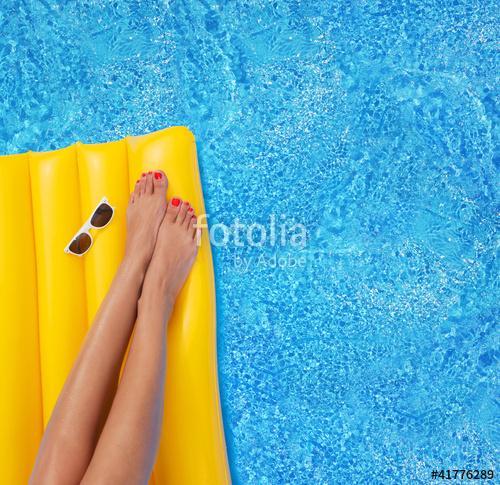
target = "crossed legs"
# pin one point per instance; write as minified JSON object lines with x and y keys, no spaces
{"x":102,"y":431}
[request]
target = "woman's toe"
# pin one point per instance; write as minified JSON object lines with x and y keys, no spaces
{"x":141,"y":186}
{"x":193,"y":226}
{"x":160,"y":182}
{"x":182,"y":212}
{"x":189,"y":214}
{"x":149,"y":183}
{"x":133,"y":195}
{"x":173,"y":208}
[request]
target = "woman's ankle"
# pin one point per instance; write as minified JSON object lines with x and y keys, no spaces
{"x":156,"y":296}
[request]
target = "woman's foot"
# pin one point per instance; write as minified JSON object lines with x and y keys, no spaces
{"x":175,"y":251}
{"x":145,"y":213}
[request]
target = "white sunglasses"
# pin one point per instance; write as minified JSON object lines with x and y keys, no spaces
{"x":82,"y":240}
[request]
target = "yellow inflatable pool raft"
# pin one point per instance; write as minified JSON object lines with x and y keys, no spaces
{"x":49,"y":298}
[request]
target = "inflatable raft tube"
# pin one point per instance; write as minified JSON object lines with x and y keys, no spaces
{"x":49,"y":298}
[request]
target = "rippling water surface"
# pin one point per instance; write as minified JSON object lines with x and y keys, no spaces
{"x":371,"y":354}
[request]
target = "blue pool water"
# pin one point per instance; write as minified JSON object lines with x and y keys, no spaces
{"x":370,"y":355}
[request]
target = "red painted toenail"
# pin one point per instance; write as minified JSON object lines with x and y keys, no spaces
{"x":157,"y":175}
{"x":175,"y":202}
{"x":190,"y":209}
{"x":143,"y":175}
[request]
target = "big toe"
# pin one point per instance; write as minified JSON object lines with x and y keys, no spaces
{"x":173,"y":208}
{"x":160,"y":182}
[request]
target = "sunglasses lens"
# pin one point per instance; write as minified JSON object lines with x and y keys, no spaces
{"x":102,"y":215}
{"x":80,"y":244}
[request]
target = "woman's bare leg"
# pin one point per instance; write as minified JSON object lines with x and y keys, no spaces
{"x":126,"y":450}
{"x":78,"y":417}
